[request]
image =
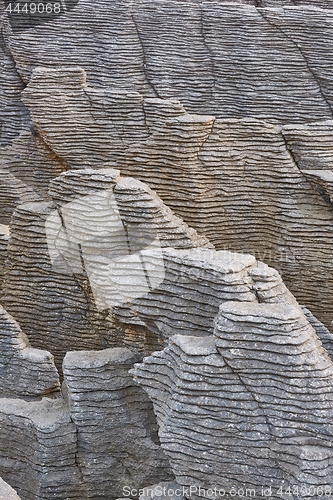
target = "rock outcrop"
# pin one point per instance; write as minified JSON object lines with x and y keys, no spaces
{"x":24,"y":371}
{"x":248,"y":407}
{"x":116,"y":426}
{"x":38,"y":446}
{"x":61,"y":296}
{"x":143,"y":144}
{"x":239,"y":182}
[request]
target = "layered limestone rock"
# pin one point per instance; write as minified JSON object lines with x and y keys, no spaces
{"x":38,"y":446}
{"x":194,"y":285}
{"x":52,"y":308}
{"x":101,"y":437}
{"x":13,"y":192}
{"x":24,"y":371}
{"x":194,"y":51}
{"x":238,"y":182}
{"x":58,"y":281}
{"x":323,"y":333}
{"x":14,"y":117}
{"x":4,"y":238}
{"x":33,"y":163}
{"x":322,"y":180}
{"x":144,"y":120}
{"x":248,"y":407}
{"x":117,"y":433}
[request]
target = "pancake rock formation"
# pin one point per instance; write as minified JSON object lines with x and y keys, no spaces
{"x":247,"y":407}
{"x":166,"y":195}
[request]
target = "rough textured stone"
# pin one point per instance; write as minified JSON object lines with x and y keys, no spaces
{"x":24,"y":371}
{"x":4,"y":238}
{"x":116,"y":426}
{"x":163,"y":491}
{"x":224,"y":109}
{"x":54,"y":303}
{"x":248,"y":407}
{"x":323,"y":333}
{"x":38,"y":446}
{"x":14,"y":117}
{"x":194,"y":51}
{"x":13,"y":193}
{"x":238,"y":182}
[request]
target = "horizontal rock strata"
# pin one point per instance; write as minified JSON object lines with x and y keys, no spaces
{"x":238,"y":182}
{"x":116,"y":426}
{"x":323,"y":333}
{"x":24,"y":371}
{"x":38,"y":446}
{"x":144,"y":47}
{"x":247,"y":407}
{"x":52,"y":308}
{"x":4,"y":238}
{"x":57,"y":276}
{"x":14,"y":117}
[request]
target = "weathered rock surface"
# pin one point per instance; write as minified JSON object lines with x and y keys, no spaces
{"x":38,"y":446}
{"x":162,"y":491}
{"x":4,"y":238}
{"x":14,"y":117}
{"x":47,"y":288}
{"x":225,"y":110}
{"x":24,"y":371}
{"x":196,"y":282}
{"x":323,"y":333}
{"x":13,"y":192}
{"x":116,"y":426}
{"x":100,"y":438}
{"x":52,"y":308}
{"x":247,"y":407}
{"x":145,"y":47}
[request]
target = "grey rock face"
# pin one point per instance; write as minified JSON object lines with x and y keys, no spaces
{"x":224,"y":109}
{"x":38,"y":447}
{"x":101,"y":438}
{"x":4,"y":237}
{"x":241,"y":183}
{"x":195,"y":284}
{"x":323,"y":333}
{"x":141,"y":47}
{"x":51,"y":307}
{"x":13,"y":193}
{"x":14,"y":117}
{"x":163,"y":491}
{"x":24,"y":371}
{"x":33,"y":163}
{"x":118,"y":445}
{"x":50,"y":295}
{"x":247,"y":407}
